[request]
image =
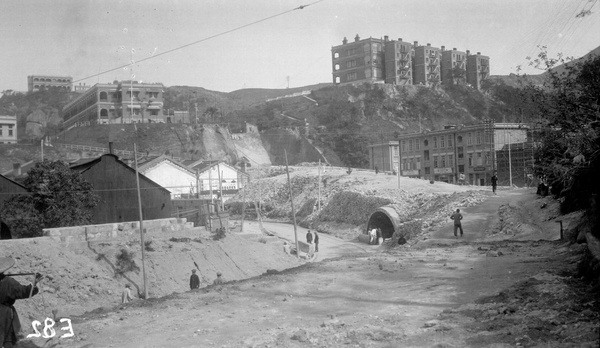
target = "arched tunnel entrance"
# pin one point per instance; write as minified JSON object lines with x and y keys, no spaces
{"x":385,"y":218}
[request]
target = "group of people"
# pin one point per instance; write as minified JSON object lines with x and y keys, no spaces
{"x":195,"y":280}
{"x":374,"y":235}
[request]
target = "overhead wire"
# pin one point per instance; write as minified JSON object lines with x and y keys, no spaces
{"x":199,"y":41}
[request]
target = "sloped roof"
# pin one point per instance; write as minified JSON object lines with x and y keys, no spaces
{"x":82,"y":168}
{"x":144,"y":167}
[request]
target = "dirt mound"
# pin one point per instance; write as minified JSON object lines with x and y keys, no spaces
{"x":83,"y":277}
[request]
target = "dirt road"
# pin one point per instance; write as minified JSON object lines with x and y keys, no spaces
{"x":441,"y":292}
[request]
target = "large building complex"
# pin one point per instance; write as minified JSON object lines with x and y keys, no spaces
{"x":402,"y":63}
{"x":119,"y":102}
{"x":38,"y":82}
{"x":8,"y":129}
{"x":474,"y":151}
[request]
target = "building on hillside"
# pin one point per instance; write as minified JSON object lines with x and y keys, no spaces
{"x":117,"y":102}
{"x":216,"y":176}
{"x":398,"y":62}
{"x":8,"y":129}
{"x":478,"y":69}
{"x":475,"y":151}
{"x":115,"y":183}
{"x":426,"y":65}
{"x":179,"y":117}
{"x":39,"y":82}
{"x":359,"y":61}
{"x":80,"y":88}
{"x":177,"y":178}
{"x":453,"y":67}
{"x":9,"y":188}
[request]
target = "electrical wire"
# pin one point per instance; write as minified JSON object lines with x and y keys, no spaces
{"x":200,"y":41}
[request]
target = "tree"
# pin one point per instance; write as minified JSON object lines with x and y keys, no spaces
{"x":569,"y":136}
{"x":57,"y":197}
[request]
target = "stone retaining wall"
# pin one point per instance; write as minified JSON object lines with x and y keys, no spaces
{"x":112,"y":231}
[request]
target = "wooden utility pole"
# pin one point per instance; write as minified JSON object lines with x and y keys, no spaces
{"x":319,"y":199}
{"x":287,"y":170}
{"x":243,"y":207}
{"x":137,"y":180}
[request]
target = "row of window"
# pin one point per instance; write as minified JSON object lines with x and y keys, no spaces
{"x":443,"y":141}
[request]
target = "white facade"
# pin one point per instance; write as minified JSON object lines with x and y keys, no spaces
{"x":229,"y":176}
{"x":172,"y":176}
{"x":8,"y":129}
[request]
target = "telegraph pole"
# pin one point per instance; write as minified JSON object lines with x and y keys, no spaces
{"x":287,"y":170}
{"x":137,"y":180}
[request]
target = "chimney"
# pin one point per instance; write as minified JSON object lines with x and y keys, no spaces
{"x":428,"y":44}
{"x":386,"y":38}
{"x":468,"y":52}
{"x":443,"y":48}
{"x":478,"y":53}
{"x":400,"y":39}
{"x":16,"y":169}
{"x":416,"y":43}
{"x":454,"y":48}
{"x":356,"y":38}
{"x":345,"y":41}
{"x":110,"y":147}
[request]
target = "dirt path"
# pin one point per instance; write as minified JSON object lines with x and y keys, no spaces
{"x":420,"y":296}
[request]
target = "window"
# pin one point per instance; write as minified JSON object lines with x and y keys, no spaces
{"x":336,"y":55}
{"x":10,"y":132}
{"x":337,"y":67}
{"x":443,"y":158}
{"x":449,"y":141}
{"x":461,"y":168}
{"x":479,"y":159}
{"x":410,"y":145}
{"x":154,"y":112}
{"x":469,"y":138}
{"x":411,"y":163}
{"x":459,"y":139}
{"x":450,"y":160}
{"x":403,"y":145}
{"x":350,"y":63}
{"x":478,"y":138}
{"x":435,"y":142}
{"x":435,"y":161}
{"x":417,"y":144}
{"x":1,"y":132}
{"x":418,"y":164}
{"x":404,"y":166}
{"x":470,"y":160}
{"x":460,"y":152}
{"x":442,"y":141}
{"x":426,"y":155}
{"x":425,"y":142}
{"x":396,"y":151}
{"x":427,"y":170}
{"x":351,"y":76}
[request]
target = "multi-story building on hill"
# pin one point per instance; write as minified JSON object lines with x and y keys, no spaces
{"x":401,"y":63}
{"x":119,"y":102}
{"x":8,"y":129}
{"x":358,"y":61}
{"x":426,"y":66}
{"x":38,"y":82}
{"x":474,"y":151}
{"x":454,"y":66}
{"x":398,"y":62}
{"x":478,"y":69}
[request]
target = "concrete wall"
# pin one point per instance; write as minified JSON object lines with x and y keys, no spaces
{"x":113,"y":231}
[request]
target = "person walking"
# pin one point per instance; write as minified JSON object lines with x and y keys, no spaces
{"x":457,"y":216}
{"x":309,"y":237}
{"x":10,"y":291}
{"x":316,"y":240}
{"x":194,"y":280}
{"x":494,"y":182}
{"x":126,"y":294}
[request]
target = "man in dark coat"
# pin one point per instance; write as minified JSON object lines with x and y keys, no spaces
{"x":494,"y":182}
{"x":194,"y":280}
{"x":316,"y":240}
{"x":10,"y":291}
{"x":309,"y":237}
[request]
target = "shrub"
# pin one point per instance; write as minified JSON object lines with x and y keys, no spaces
{"x":125,"y":262}
{"x":148,"y":245}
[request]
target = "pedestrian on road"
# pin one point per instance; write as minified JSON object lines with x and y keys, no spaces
{"x":457,"y":216}
{"x":309,"y":237}
{"x":219,"y":279}
{"x":494,"y":182}
{"x":316,"y":240}
{"x":10,"y":291}
{"x":126,"y":295}
{"x":194,"y":280}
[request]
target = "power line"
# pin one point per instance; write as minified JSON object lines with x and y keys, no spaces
{"x":199,"y":41}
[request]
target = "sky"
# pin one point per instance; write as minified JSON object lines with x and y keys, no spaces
{"x":226,"y":45}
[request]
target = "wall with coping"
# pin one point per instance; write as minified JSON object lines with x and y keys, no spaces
{"x":90,"y":233}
